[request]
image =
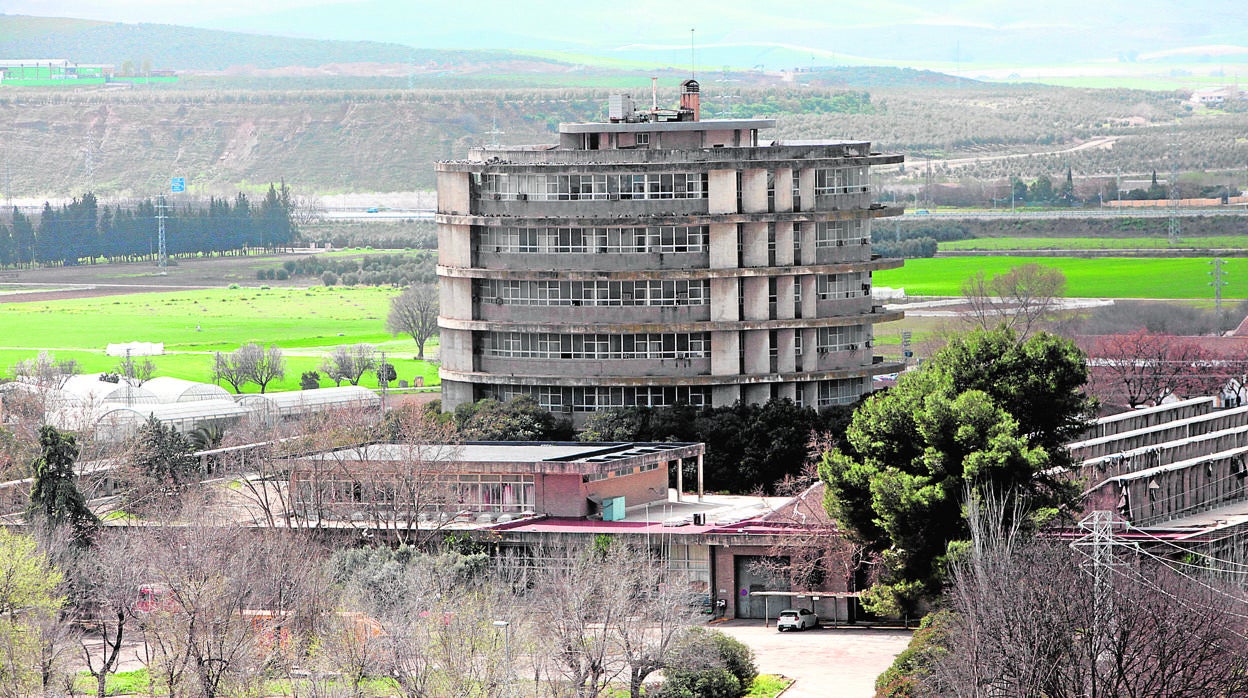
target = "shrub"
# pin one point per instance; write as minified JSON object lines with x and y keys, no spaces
{"x":282,"y":275}
{"x":904,"y":678}
{"x":329,"y":278}
{"x":709,"y":663}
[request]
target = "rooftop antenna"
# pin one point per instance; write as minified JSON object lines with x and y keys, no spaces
{"x":693,"y":64}
{"x":494,"y":133}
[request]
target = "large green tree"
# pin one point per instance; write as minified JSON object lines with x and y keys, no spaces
{"x":988,"y":414}
{"x":55,"y":499}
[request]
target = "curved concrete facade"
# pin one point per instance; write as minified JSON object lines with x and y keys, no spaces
{"x":657,"y":259}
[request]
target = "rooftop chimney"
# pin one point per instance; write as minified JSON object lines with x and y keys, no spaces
{"x":690,"y":98}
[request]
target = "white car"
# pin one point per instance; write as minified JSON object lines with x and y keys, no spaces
{"x":796,"y":619}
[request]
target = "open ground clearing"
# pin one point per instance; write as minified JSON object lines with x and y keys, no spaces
{"x":1102,"y":277}
{"x":306,"y":322}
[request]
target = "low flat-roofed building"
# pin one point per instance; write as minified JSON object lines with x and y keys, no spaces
{"x":484,"y":481}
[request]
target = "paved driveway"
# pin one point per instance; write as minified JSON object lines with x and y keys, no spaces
{"x":827,"y":663}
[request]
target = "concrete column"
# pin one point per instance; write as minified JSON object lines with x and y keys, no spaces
{"x":784,"y":189}
{"x":680,"y":479}
{"x":455,"y":192}
{"x":757,"y":352}
{"x":700,"y":491}
{"x":786,"y":362}
{"x":754,"y":191}
{"x":723,"y":251}
{"x":784,"y":243}
{"x":455,"y":350}
{"x":808,"y":243}
{"x":758,"y":393}
{"x":454,"y":394}
{"x":755,"y":290}
{"x":722,"y":191}
{"x":456,"y":298}
{"x":754,"y":245}
{"x":806,"y":187}
{"x":725,"y":306}
{"x":810,"y":355}
{"x":725,"y":395}
{"x":785,"y":307}
{"x":725,"y":353}
{"x":787,"y":390}
{"x":455,"y":245}
{"x":809,"y":297}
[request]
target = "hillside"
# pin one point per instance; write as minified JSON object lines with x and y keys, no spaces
{"x":196,"y":50}
{"x":129,"y":142}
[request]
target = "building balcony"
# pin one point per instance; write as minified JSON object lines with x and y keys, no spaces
{"x":606,"y":260}
{"x":593,"y":367}
{"x":489,"y":311}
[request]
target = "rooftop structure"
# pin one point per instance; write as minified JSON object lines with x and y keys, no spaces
{"x":656,"y":258}
{"x":429,"y":484}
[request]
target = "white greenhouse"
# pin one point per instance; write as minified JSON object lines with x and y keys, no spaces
{"x":119,"y":422}
{"x":168,"y":389}
{"x":272,"y":408}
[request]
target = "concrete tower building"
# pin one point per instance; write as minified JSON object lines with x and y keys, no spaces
{"x":656,"y":258}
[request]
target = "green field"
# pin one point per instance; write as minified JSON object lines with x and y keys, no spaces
{"x":1224,"y":242}
{"x":305,"y":322}
{"x":1106,"y":277}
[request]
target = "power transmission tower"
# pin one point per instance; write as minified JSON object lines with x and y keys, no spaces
{"x":1098,"y":544}
{"x":1219,"y":280}
{"x":494,"y":133}
{"x":161,"y":254}
{"x":1174,"y":191}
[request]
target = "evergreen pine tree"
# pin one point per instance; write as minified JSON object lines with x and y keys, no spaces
{"x":55,"y":499}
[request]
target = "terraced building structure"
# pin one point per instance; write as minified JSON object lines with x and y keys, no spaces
{"x":656,"y":258}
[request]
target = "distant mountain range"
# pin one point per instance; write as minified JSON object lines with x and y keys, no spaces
{"x":189,"y":49}
{"x":966,"y":35}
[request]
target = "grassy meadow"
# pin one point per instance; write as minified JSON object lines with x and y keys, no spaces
{"x":1221,"y":242}
{"x":1105,"y":277}
{"x":305,"y":322}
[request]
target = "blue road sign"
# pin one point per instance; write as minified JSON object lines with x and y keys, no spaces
{"x":178,"y":185}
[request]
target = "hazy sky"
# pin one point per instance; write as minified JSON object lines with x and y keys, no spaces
{"x":190,"y":12}
{"x":946,"y":30}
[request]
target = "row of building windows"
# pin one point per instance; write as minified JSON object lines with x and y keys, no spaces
{"x":594,"y":293}
{"x":680,"y":345}
{"x":592,"y":398}
{"x":841,"y":233}
{"x":593,"y":187}
{"x":447,"y":492}
{"x":842,"y":392}
{"x":846,"y":338}
{"x":666,"y":238}
{"x":841,"y":180}
{"x":841,"y":286}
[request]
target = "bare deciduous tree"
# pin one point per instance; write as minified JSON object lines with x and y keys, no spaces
{"x":107,"y":579}
{"x":609,"y":612}
{"x":415,"y":312}
{"x":249,"y":363}
{"x":1020,"y":299}
{"x":349,"y":363}
{"x":137,"y":372}
{"x":1142,"y":368}
{"x":1026,"y":621}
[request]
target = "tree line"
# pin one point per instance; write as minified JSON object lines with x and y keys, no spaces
{"x":83,"y":231}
